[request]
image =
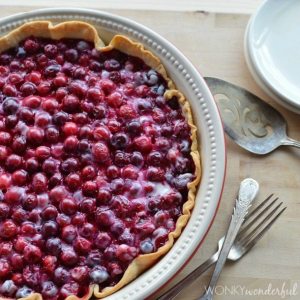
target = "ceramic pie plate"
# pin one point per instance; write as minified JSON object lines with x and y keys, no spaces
{"x":272,"y":50}
{"x":206,"y":118}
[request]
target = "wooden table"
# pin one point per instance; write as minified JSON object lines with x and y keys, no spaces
{"x":211,"y":36}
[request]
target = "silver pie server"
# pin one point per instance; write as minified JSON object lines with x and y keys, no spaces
{"x":248,"y":120}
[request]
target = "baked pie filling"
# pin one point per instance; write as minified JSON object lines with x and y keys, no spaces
{"x":98,"y":166}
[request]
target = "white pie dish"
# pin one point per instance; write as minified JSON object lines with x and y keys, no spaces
{"x":206,"y":117}
{"x":272,"y":50}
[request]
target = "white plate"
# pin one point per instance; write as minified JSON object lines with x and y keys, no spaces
{"x":272,"y":49}
{"x":207,"y":119}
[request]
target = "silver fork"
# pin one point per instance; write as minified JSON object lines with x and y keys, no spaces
{"x":255,"y":225}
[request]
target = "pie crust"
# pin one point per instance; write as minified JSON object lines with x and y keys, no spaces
{"x":85,"y":31}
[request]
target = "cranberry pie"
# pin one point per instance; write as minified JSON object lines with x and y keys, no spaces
{"x":98,"y":162}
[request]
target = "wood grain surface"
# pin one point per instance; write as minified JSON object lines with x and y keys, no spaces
{"x":214,"y":43}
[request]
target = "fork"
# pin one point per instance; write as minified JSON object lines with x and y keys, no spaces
{"x":254,"y":227}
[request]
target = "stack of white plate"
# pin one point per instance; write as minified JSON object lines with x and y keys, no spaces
{"x":272,"y":50}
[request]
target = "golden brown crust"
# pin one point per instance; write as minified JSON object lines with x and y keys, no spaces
{"x":81,"y":30}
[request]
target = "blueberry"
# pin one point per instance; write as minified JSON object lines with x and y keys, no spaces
{"x":52,"y":70}
{"x":8,"y":288}
{"x":119,"y":140}
{"x":23,"y":292}
{"x":49,"y":289}
{"x":146,"y":247}
{"x":99,"y":275}
{"x":10,"y":106}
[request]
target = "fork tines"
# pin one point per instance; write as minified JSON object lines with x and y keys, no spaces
{"x":259,"y":220}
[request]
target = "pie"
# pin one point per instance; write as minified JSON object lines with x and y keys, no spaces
{"x":99,"y":162}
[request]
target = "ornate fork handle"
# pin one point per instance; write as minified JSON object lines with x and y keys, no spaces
{"x":247,"y":192}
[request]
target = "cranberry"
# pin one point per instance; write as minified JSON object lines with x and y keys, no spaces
{"x":30,"y":202}
{"x":102,"y":240}
{"x":112,"y":172}
{"x":104,"y":196}
{"x":50,"y":105}
{"x":126,"y":253}
{"x":49,"y":166}
{"x":101,"y":133}
{"x":78,"y":88}
{"x":134,"y":127}
{"x":87,"y":230}
{"x":14,"y":195}
{"x":69,"y":165}
{"x":68,"y":206}
{"x":60,"y":80}
{"x":70,"y":128}
{"x":99,"y":274}
{"x":88,"y":173}
{"x":28,"y":88}
{"x":88,"y":205}
{"x":9,"y":90}
{"x":82,"y":245}
{"x":4,"y":210}
{"x":114,"y":269}
{"x":70,"y":144}
{"x":53,"y":246}
{"x":73,"y":181}
{"x":130,"y":172}
{"x":19,"y":177}
{"x":44,"y":88}
{"x":68,"y":257}
{"x":69,"y":233}
{"x":35,"y":135}
{"x":159,"y":236}
{"x":32,"y":254}
{"x":57,"y":194}
{"x":49,"y":213}
{"x":143,"y":144}
{"x":89,"y":188}
{"x":17,"y":264}
{"x":51,"y":134}
{"x":35,"y":77}
{"x":5,"y":138}
{"x":19,"y":215}
{"x":95,"y":94}
{"x":70,"y":103}
{"x":3,"y":153}
{"x":105,"y":218}
{"x":19,"y":144}
{"x":11,"y":121}
{"x":80,"y":274}
{"x":115,"y":99}
{"x":121,"y":158}
{"x":5,"y":182}
{"x":49,"y":228}
{"x":155,"y":174}
{"x":100,"y":152}
{"x":5,"y":248}
{"x":4,"y":268}
{"x":137,"y":159}
{"x":39,"y":183}
{"x":61,"y":275}
{"x":31,"y":46}
{"x":113,"y":125}
{"x":32,"y":165}
{"x":78,"y":219}
{"x":13,"y":162}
